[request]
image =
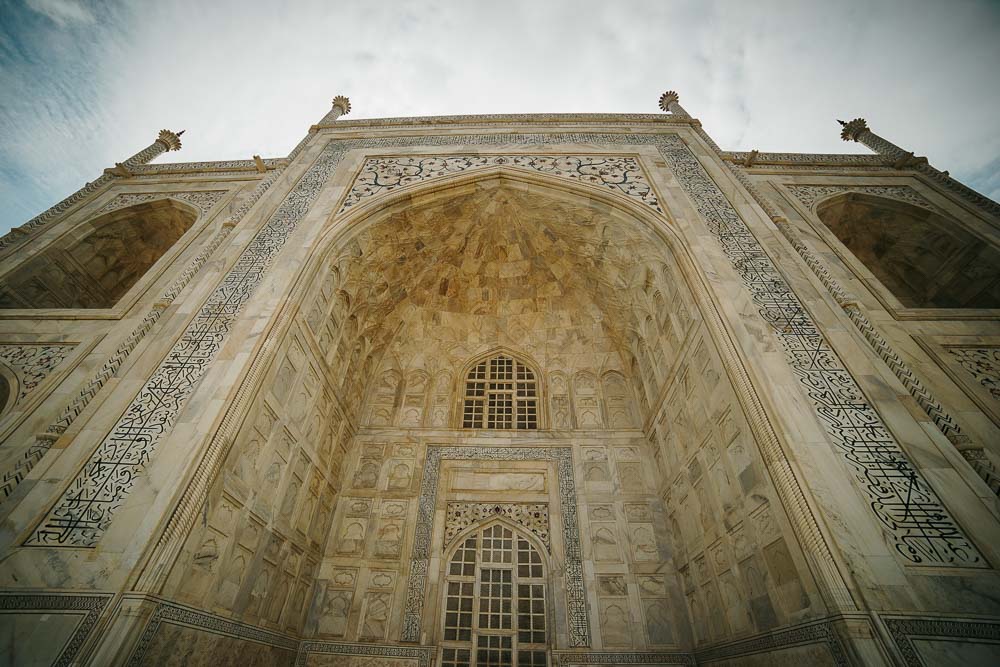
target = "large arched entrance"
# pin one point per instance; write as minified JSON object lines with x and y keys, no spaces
{"x":579,"y":323}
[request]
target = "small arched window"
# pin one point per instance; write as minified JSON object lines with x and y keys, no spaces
{"x":500,"y":393}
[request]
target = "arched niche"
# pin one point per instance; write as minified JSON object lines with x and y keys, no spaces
{"x":97,"y":262}
{"x":924,"y":259}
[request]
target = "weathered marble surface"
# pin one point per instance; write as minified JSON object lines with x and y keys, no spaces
{"x":301,"y":449}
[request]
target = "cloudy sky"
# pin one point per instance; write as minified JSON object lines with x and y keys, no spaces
{"x":86,"y":83}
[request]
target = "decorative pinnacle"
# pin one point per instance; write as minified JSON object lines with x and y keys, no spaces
{"x":342,"y":103}
{"x":170,"y":140}
{"x":668,"y":98}
{"x":853,"y":129}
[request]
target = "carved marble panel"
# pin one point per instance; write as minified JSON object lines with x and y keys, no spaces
{"x":810,"y":194}
{"x":534,"y":517}
{"x":202,"y":199}
{"x":620,"y":174}
{"x":982,"y":364}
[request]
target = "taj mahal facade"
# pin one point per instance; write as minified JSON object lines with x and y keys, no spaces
{"x":508,"y":390}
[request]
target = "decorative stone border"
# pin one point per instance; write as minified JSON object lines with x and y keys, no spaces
{"x":904,"y":630}
{"x":92,"y":605}
{"x":169,"y":612}
{"x":821,"y":632}
{"x":619,"y":174}
{"x":810,"y":159}
{"x":576,"y":595}
{"x":422,"y":655}
{"x":204,"y":200}
{"x":810,"y":194}
{"x":567,"y":659}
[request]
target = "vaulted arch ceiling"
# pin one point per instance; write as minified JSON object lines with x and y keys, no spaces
{"x":559,"y":276}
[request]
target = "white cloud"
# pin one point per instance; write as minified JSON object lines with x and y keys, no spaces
{"x":62,"y":12}
{"x":245,"y":77}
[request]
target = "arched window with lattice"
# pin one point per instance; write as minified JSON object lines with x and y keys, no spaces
{"x":495,"y":612}
{"x":501,"y":392}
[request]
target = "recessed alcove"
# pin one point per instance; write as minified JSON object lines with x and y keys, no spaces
{"x":923,"y":258}
{"x":96,"y":263}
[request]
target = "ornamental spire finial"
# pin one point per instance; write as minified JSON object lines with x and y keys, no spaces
{"x":342,"y":103}
{"x":170,"y":139}
{"x":852,"y":129}
{"x":668,"y":98}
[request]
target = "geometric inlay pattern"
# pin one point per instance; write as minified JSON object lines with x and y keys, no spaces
{"x":904,"y":630}
{"x":533,"y":517}
{"x":391,"y":655}
{"x":576,"y":599}
{"x":89,"y":606}
{"x":921,"y":529}
{"x":568,"y":659}
{"x":171,"y":613}
{"x":621,"y":174}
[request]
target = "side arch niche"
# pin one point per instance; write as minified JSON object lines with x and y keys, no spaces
{"x":99,"y":261}
{"x":923,"y":258}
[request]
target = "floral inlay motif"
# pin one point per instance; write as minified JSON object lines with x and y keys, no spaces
{"x":619,"y":174}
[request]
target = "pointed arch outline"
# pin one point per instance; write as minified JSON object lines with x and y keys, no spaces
{"x":888,"y":276}
{"x":810,"y":530}
{"x":11,"y":384}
